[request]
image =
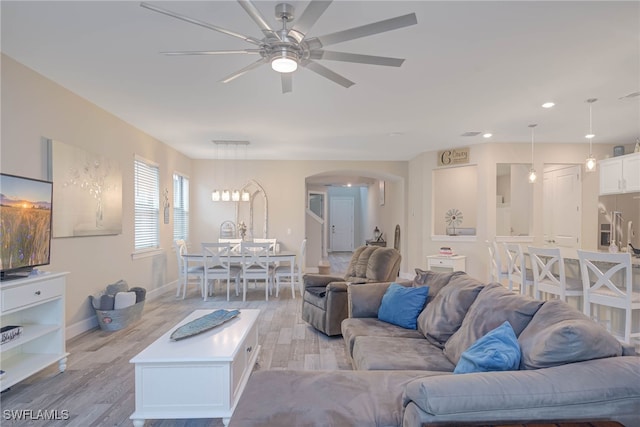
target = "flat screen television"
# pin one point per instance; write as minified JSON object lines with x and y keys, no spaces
{"x":25,"y":225}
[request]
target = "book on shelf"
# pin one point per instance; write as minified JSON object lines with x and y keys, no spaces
{"x":9,"y":333}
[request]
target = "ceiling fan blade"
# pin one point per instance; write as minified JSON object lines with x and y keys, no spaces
{"x":244,"y":70}
{"x":363,"y":31}
{"x":201,"y":23}
{"x":355,"y":57}
{"x":287,"y":82}
{"x":213,"y":52}
{"x":257,"y":17}
{"x":327,"y":73}
{"x":311,"y":14}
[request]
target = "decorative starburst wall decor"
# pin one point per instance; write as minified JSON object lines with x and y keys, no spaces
{"x":453,"y":218}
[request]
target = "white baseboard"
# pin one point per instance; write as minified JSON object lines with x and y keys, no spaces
{"x":87,"y":324}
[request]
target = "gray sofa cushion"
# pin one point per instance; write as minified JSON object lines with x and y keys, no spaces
{"x":353,"y":328}
{"x":393,"y":353}
{"x":560,"y":334}
{"x":436,"y":280}
{"x":323,"y":398}
{"x":597,"y":389}
{"x":442,"y":317}
{"x":492,"y":307}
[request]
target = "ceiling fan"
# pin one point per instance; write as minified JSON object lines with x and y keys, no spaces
{"x":288,"y":48}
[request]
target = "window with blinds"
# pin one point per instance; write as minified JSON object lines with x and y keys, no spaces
{"x":180,"y":207}
{"x":147,"y":204}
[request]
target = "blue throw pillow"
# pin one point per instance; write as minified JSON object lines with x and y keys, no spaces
{"x":498,"y":350}
{"x":402,"y":305}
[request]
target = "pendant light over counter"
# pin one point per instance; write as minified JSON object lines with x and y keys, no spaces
{"x":532,"y":171}
{"x":590,"y":163}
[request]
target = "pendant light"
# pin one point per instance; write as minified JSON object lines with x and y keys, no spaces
{"x":226,"y":194}
{"x":244,"y":194}
{"x":235,"y":194}
{"x":215,"y":194}
{"x":532,"y":171}
{"x":590,"y":163}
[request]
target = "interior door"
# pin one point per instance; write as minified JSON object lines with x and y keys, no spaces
{"x":563,"y":206}
{"x":341,"y":220}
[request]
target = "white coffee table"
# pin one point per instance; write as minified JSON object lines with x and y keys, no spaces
{"x":198,"y":377}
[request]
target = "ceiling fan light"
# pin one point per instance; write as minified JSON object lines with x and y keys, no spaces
{"x":284,"y":62}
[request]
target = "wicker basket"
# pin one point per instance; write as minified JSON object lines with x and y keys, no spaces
{"x":114,"y":320}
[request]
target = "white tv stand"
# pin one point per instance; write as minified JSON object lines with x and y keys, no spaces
{"x":37,"y":304}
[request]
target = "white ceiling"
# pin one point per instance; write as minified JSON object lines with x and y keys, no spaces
{"x":470,"y":66}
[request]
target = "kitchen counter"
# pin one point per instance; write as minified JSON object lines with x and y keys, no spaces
{"x":572,"y":254}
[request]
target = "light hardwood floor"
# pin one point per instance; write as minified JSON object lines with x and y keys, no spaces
{"x":97,"y":389}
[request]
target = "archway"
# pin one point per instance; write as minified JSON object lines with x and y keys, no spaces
{"x":373,"y":208}
{"x":256,"y":204}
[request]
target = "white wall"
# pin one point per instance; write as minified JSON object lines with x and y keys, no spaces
{"x":284,"y":184}
{"x":486,"y":156}
{"x":34,"y":107}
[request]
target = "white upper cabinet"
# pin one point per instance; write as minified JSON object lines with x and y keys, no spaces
{"x":620,"y":174}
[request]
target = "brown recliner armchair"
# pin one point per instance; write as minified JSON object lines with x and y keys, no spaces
{"x":324,"y":303}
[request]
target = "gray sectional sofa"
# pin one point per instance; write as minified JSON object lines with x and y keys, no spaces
{"x":571,"y":368}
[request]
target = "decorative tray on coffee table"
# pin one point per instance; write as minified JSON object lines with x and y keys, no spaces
{"x":203,"y":324}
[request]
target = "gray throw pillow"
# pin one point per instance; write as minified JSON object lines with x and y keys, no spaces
{"x":443,"y":315}
{"x":560,"y":334}
{"x":494,"y":305}
{"x":435,"y":280}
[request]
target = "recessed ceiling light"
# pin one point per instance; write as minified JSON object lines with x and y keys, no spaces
{"x":487,"y":135}
{"x":548,"y":104}
{"x":396,"y":133}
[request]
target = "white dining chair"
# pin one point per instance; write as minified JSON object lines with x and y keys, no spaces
{"x":217,"y":266}
{"x":517,"y":271}
{"x":285,"y":271}
{"x":185,"y":271}
{"x":607,"y":281}
{"x":273,"y":243}
{"x":235,"y":243}
{"x":256,"y":265}
{"x":544,"y":263}
{"x":498,"y":268}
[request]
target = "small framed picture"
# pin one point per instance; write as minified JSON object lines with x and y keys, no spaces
{"x":382,"y":189}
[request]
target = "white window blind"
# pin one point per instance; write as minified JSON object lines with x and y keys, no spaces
{"x":147,"y":205}
{"x":180,"y":207}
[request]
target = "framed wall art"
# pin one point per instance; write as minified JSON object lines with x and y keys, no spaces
{"x":87,"y":189}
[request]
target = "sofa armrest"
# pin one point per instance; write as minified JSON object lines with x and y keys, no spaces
{"x":337,"y":286}
{"x":607,"y":387}
{"x":317,"y":280}
{"x":363,"y":300}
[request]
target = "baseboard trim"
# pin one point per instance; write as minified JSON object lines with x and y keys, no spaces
{"x":90,"y":323}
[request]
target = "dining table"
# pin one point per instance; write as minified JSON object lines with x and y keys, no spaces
{"x":236,"y":258}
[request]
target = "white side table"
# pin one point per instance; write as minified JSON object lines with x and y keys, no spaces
{"x":447,"y":263}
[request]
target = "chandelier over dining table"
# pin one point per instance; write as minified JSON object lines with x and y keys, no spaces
{"x":225,"y":194}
